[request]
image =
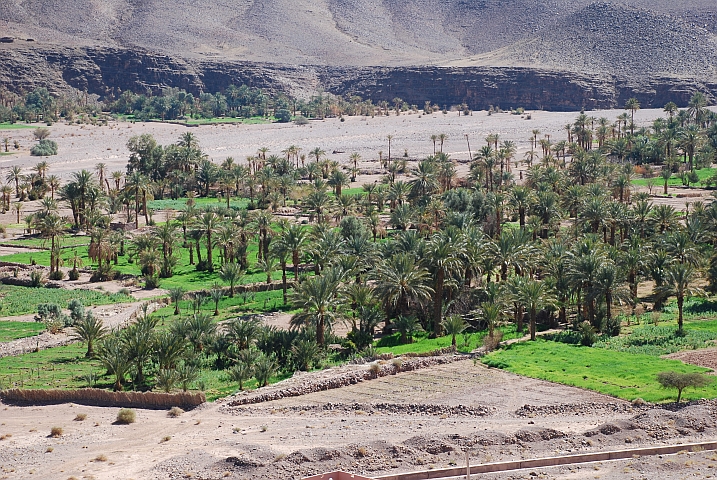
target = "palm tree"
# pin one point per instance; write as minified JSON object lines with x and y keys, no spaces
{"x":521,"y":199}
{"x":454,"y":325}
{"x":176,"y":294}
{"x":679,"y":282}
{"x":318,"y":299}
{"x":231,"y":273}
{"x":401,"y":283}
{"x":208,"y":221}
{"x":444,"y":256}
{"x":407,"y":326}
{"x":89,"y":329}
{"x":216,"y":294}
{"x":534,"y":295}
{"x":113,"y":355}
{"x":138,"y":185}
{"x":633,"y":105}
{"x":14,"y":175}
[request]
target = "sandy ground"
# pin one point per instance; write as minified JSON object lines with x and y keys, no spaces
{"x":85,"y":146}
{"x":348,"y":428}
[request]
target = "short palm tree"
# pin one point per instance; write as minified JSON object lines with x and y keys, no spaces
{"x":216,"y":294}
{"x":534,"y":295}
{"x":679,"y":282}
{"x":407,"y":326}
{"x":176,"y":294}
{"x":89,"y":329}
{"x":231,"y":273}
{"x":454,"y":325}
{"x":317,"y":297}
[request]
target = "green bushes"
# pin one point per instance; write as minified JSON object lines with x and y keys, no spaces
{"x":44,"y":148}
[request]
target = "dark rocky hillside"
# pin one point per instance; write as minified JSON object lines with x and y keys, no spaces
{"x":659,"y":49}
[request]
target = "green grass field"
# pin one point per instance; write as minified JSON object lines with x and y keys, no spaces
{"x":181,"y":203}
{"x":185,"y":275}
{"x":13,"y":330}
{"x":66,"y":241}
{"x":674,"y":181}
{"x":17,"y":126}
{"x":23,"y":300}
{"x":619,"y":374}
{"x":67,"y":367}
{"x":423,"y":344}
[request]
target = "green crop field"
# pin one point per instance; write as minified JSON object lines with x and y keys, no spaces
{"x":423,"y":344}
{"x":675,"y":181}
{"x":619,"y":374}
{"x":22,"y":300}
{"x":16,"y":126}
{"x":13,"y":330}
{"x":66,"y":241}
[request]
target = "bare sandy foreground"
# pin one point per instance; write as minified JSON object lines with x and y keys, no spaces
{"x":371,"y":427}
{"x":85,"y":146}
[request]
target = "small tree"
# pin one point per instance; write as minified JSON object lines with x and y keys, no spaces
{"x":216,"y":295}
{"x":264,"y":368}
{"x":680,"y":381}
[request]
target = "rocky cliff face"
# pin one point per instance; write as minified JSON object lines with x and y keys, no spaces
{"x":108,"y":70}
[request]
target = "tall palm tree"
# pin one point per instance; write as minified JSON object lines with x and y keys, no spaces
{"x":444,"y":255}
{"x":633,"y":105}
{"x":14,"y":175}
{"x":209,"y":221}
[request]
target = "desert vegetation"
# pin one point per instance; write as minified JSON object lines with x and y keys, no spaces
{"x":421,"y":260}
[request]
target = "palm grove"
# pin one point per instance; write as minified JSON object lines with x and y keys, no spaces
{"x":569,"y":244}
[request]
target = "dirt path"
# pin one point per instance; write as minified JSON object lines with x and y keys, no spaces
{"x":112,"y":316}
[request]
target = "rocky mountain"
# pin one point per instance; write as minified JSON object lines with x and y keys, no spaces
{"x":628,"y":41}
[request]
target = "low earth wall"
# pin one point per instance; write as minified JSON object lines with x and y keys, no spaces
{"x":551,"y":461}
{"x":103,"y":398}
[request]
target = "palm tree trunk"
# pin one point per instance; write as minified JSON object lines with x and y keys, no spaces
{"x":680,"y":305}
{"x":532,"y":323}
{"x":210,"y":266}
{"x":438,"y":303}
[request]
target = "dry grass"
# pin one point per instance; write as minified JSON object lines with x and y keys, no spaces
{"x":56,"y":432}
{"x":100,"y":458}
{"x":165,"y":439}
{"x":174,"y":412}
{"x":126,"y":416}
{"x":80,"y":417}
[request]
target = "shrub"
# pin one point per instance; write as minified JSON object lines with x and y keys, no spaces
{"x":283,"y":115}
{"x":680,"y":381}
{"x":101,"y":458}
{"x":44,"y":148}
{"x":80,"y":417}
{"x":490,"y":343}
{"x":74,"y":274}
{"x":57,"y":275}
{"x":301,"y":120}
{"x":587,"y":334}
{"x":56,"y":432}
{"x":375,"y":369}
{"x":126,"y":416}
{"x":175,"y":412}
{"x":151,"y":282}
{"x":36,"y":279}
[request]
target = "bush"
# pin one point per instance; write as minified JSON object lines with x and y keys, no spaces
{"x":44,"y":148}
{"x":36,"y":279}
{"x":126,"y":416}
{"x":80,"y":417}
{"x":74,"y":274}
{"x":490,"y":343}
{"x":587,"y":334}
{"x":283,"y":115}
{"x":151,"y":282}
{"x":301,"y":120}
{"x":57,"y":275}
{"x":56,"y":432}
{"x":612,"y":326}
{"x":175,"y":412}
